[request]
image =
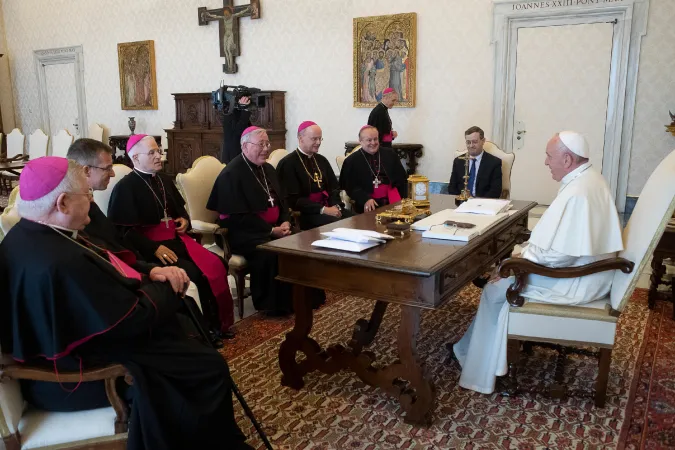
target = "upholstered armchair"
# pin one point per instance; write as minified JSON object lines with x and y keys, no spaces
{"x":102,"y":198}
{"x":196,"y":185}
{"x":507,"y":165}
{"x":24,"y":427}
{"x":276,"y":156}
{"x":592,"y":324}
{"x":340,"y":160}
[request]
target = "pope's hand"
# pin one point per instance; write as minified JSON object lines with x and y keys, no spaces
{"x":166,"y":255}
{"x":181,"y":225}
{"x":176,"y":276}
{"x":370,"y":205}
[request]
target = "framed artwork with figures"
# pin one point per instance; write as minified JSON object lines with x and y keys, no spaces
{"x":385,"y":54}
{"x":138,"y":81}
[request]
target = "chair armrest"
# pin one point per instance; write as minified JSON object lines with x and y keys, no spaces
{"x":521,"y":267}
{"x":26,"y":372}
{"x":203,"y":227}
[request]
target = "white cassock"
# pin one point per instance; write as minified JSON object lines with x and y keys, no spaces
{"x":581,"y":226}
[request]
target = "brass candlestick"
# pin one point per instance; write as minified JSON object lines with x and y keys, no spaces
{"x":466,"y":193}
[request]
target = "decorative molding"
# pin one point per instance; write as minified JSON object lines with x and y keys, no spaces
{"x":630,"y":17}
{"x":64,"y":55}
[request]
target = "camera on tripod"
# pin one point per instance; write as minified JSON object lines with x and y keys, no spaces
{"x":226,"y":98}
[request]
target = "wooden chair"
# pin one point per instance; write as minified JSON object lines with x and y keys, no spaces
{"x":507,"y":165}
{"x":24,"y":427}
{"x":196,"y":185}
{"x":592,"y":324}
{"x":37,"y":144}
{"x":102,"y":198}
{"x":15,"y":152}
{"x":276,"y":156}
{"x":95,"y":132}
{"x":60,"y":143}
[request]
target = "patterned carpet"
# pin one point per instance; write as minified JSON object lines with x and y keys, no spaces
{"x":339,"y":411}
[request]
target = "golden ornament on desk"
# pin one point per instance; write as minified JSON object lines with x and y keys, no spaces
{"x":418,"y":191}
{"x":405,"y":212}
{"x":671,"y":128}
{"x":466,"y":193}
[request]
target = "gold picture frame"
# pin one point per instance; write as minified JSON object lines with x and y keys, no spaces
{"x":385,"y":47}
{"x":138,"y":80}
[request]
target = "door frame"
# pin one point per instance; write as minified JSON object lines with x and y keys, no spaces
{"x":630,"y":26}
{"x":64,"y":55}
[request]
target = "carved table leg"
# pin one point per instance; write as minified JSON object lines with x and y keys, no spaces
{"x":365,"y":330}
{"x":298,"y":340}
{"x":658,"y":270}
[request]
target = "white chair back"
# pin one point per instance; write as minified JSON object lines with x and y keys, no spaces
{"x":102,"y":198}
{"x":507,"y":164}
{"x":37,"y":144}
{"x":340,"y":160}
{"x":15,"y":142}
{"x":276,"y":156}
{"x":95,"y":132}
{"x":644,"y":229}
{"x":196,"y":185}
{"x":60,"y":143}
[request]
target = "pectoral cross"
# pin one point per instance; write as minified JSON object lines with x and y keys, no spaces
{"x":377,"y":183}
{"x":166,"y":219}
{"x":271,"y":200}
{"x":228,"y":27}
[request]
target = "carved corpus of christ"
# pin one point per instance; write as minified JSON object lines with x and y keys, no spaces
{"x":228,"y":25}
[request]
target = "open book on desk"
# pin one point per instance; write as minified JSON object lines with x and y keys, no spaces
{"x":351,"y":240}
{"x":433,"y":226}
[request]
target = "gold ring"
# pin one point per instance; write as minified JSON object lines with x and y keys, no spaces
{"x":165,"y":255}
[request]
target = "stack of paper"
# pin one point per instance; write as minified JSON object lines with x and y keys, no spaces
{"x":352,"y":240}
{"x":434,"y":228}
{"x":486,"y":206}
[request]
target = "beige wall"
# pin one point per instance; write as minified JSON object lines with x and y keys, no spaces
{"x":305,"y":48}
{"x":6,"y":97}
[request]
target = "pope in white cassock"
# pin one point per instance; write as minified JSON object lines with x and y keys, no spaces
{"x":580,"y":227}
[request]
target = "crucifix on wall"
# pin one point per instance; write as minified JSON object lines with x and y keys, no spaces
{"x":228,"y":27}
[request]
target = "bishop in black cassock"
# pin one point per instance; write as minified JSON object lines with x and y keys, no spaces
{"x":373,"y":176}
{"x":107,"y":314}
{"x":151,"y":215}
{"x":251,"y":205}
{"x":379,"y":118}
{"x":310,"y":184}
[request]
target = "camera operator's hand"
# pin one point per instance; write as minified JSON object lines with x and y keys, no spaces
{"x":244,"y":101}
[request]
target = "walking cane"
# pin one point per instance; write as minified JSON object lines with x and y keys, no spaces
{"x":237,"y":394}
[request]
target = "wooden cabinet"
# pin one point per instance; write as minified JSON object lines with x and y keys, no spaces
{"x":197,"y":130}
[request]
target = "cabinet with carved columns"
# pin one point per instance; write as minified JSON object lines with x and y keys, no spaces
{"x":198,"y":130}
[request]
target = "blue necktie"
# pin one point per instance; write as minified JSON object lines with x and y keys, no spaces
{"x":472,"y":177}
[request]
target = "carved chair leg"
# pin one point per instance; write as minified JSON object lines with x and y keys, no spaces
{"x":240,"y":285}
{"x":120,"y":407}
{"x":604,"y":360}
{"x":13,"y":441}
{"x":513,"y":360}
{"x":658,"y":271}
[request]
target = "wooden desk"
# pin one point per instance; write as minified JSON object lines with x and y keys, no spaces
{"x":12,"y":167}
{"x":413,"y":272}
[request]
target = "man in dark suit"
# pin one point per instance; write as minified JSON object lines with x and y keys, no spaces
{"x":485,"y":170}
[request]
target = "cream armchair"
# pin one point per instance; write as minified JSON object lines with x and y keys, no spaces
{"x":24,"y":427}
{"x":276,"y":156}
{"x":102,"y":198}
{"x":196,"y":185}
{"x":61,"y":142}
{"x":507,"y":165}
{"x":592,"y":324}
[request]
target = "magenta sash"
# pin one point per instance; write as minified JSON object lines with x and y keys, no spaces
{"x":389,"y":138}
{"x":319,"y":197}
{"x":384,"y":190}
{"x":210,"y":265}
{"x":271,"y":215}
{"x":123,"y":268}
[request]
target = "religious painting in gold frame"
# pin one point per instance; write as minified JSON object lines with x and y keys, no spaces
{"x":138,"y":80}
{"x":385,"y":55}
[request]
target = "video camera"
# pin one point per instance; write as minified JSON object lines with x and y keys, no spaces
{"x":226,"y":98}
